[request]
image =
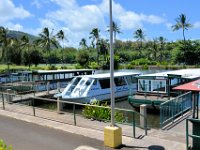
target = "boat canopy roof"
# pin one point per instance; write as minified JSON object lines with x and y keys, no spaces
{"x":184,"y":73}
{"x":107,"y":75}
{"x":191,"y":86}
{"x":57,"y":71}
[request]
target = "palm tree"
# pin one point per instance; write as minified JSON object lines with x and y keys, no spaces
{"x":162,"y":42}
{"x":61,"y":36}
{"x":4,"y":41}
{"x":94,"y":35}
{"x":46,"y":40}
{"x":139,"y":35}
{"x":83,"y":43}
{"x":181,"y":23}
{"x":103,"y":48}
{"x":25,"y":43}
{"x":116,"y":30}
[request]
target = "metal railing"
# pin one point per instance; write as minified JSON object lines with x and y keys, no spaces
{"x":195,"y":135}
{"x":171,"y":109}
{"x":130,"y":118}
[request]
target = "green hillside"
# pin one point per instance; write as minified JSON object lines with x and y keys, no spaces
{"x":19,"y":34}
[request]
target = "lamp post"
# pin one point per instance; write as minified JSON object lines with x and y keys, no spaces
{"x":112,"y":67}
{"x":112,"y":134}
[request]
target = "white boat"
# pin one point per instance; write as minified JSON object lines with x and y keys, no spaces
{"x":83,"y":89}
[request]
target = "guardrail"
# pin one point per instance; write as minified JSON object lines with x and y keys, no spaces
{"x":171,"y":109}
{"x":130,"y":117}
{"x":195,"y":135}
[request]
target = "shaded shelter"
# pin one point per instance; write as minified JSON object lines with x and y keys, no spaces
{"x":194,"y":87}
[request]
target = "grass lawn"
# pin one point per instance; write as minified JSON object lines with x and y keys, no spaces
{"x":4,"y":68}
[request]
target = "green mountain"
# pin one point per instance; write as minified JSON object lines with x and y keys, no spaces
{"x":19,"y":34}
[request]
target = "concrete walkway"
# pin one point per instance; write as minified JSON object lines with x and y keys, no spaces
{"x":155,"y":140}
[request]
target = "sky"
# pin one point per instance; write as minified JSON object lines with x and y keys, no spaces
{"x":77,"y":18}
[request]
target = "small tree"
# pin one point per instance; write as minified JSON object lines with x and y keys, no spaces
{"x":82,"y":58}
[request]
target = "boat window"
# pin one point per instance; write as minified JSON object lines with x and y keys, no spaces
{"x":119,"y":81}
{"x":159,"y":85}
{"x":151,"y":85}
{"x":95,"y":82}
{"x":81,"y":82}
{"x":104,"y":83}
{"x":75,"y":81}
{"x":88,"y":82}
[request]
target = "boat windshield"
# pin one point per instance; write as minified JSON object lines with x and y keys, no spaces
{"x":75,"y":81}
{"x":146,"y":85}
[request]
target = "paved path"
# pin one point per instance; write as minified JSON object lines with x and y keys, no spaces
{"x":27,"y":136}
{"x":156,"y":140}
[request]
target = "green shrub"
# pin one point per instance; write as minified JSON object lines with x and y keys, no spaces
{"x":99,"y":113}
{"x":52,"y":67}
{"x":3,"y":146}
{"x":94,"y":65}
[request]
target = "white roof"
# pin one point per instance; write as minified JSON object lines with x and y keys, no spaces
{"x":184,"y":73}
{"x":107,"y":75}
{"x":58,"y":71}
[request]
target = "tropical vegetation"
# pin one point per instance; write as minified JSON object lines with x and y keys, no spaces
{"x":48,"y":48}
{"x":3,"y":146}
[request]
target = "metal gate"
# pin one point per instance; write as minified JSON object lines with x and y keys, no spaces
{"x":171,"y":109}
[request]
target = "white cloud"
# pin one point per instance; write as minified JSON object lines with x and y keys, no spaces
{"x":36,"y":3}
{"x":8,"y":11}
{"x":80,"y":20}
{"x":196,"y":25}
{"x":169,"y":26}
{"x":129,"y":20}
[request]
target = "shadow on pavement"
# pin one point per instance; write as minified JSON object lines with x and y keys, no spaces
{"x":153,"y":147}
{"x":156,"y":147}
{"x":131,"y":147}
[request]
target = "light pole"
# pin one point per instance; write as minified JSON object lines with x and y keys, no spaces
{"x":112,"y":68}
{"x":112,"y":133}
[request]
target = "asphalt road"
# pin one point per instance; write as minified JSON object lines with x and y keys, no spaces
{"x":26,"y":136}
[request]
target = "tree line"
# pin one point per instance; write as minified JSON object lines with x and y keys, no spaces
{"x":49,"y":48}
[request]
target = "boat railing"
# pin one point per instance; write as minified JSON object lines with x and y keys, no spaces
{"x":126,"y":118}
{"x":175,"y":107}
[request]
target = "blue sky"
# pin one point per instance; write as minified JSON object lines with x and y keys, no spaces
{"x":77,"y":17}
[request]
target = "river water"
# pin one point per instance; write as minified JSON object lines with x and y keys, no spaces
{"x":153,"y":117}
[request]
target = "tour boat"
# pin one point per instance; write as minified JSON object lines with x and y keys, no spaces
{"x":157,"y":88}
{"x":83,"y":89}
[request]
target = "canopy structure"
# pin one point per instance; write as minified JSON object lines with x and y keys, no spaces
{"x":191,"y":86}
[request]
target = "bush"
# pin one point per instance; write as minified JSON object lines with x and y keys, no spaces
{"x":3,"y":146}
{"x":52,"y":67}
{"x":83,"y":58}
{"x":94,"y":65}
{"x":99,"y":113}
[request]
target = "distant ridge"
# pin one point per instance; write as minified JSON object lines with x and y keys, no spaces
{"x":19,"y":35}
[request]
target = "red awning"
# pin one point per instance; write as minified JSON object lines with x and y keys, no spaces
{"x":191,"y":86}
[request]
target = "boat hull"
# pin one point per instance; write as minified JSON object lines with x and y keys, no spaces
{"x":101,"y":97}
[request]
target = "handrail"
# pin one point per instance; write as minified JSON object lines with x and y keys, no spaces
{"x":81,"y":104}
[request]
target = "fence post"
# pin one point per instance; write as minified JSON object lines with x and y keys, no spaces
{"x":172,"y":109}
{"x":59,"y":105}
{"x":161,"y":115}
{"x":3,"y":101}
{"x":48,"y":84}
{"x":33,"y":105}
{"x":9,"y":96}
{"x":143,"y":111}
{"x":74,"y":111}
{"x":187,"y":140}
{"x":182,"y":106}
{"x":58,"y":86}
{"x":134,"y":124}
